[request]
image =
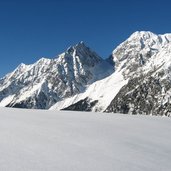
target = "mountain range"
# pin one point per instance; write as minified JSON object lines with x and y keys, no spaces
{"x":134,"y":79}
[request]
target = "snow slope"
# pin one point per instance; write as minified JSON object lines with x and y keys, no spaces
{"x":35,"y":140}
{"x":102,"y":91}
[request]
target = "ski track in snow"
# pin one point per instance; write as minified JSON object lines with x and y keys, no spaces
{"x":35,"y":140}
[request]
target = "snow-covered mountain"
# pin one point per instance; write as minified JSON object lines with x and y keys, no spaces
{"x":134,"y":53}
{"x":136,"y":78}
{"x":47,"y":81}
{"x":145,"y":61}
{"x":140,"y":84}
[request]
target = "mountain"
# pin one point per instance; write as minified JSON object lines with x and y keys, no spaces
{"x":141,"y":83}
{"x":147,"y":66}
{"x":135,"y":79}
{"x":48,"y":81}
{"x":134,"y":53}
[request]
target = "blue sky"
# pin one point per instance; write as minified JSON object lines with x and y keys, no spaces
{"x":35,"y":28}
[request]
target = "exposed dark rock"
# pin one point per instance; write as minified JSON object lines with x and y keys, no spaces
{"x":82,"y":105}
{"x":143,"y":95}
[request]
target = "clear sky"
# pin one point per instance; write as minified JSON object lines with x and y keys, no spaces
{"x":30,"y":29}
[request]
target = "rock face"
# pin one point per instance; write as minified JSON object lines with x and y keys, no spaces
{"x":135,"y":79}
{"x":44,"y":83}
{"x":149,"y":96}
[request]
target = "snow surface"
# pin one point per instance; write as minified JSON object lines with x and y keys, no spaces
{"x":35,"y":140}
{"x":6,"y":101}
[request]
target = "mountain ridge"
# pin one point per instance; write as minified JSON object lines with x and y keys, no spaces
{"x":121,"y":83}
{"x":57,"y":78}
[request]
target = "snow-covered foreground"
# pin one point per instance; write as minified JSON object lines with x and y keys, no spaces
{"x":33,"y":140}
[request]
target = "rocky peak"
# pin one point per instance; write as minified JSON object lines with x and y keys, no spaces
{"x":137,"y":50}
{"x":80,"y":46}
{"x":80,"y":53}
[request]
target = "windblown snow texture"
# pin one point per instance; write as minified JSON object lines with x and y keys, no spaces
{"x":41,"y":140}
